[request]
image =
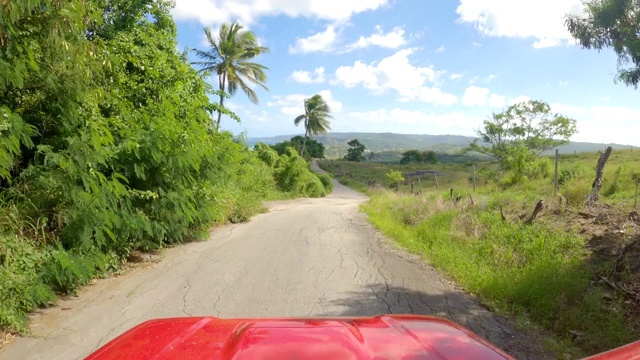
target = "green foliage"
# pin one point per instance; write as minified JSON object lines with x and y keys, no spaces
{"x":229,"y":56}
{"x":356,"y":149}
{"x":394,"y":178}
{"x":567,"y":175}
{"x":327,"y":182}
{"x":315,"y":118}
{"x":614,"y":24}
{"x":418,"y":157}
{"x":313,"y":148}
{"x":291,"y":173}
{"x":21,"y":286}
{"x":107,"y":145}
{"x":614,"y":185}
{"x":519,"y":135}
{"x":529,"y":125}
{"x":532,"y":271}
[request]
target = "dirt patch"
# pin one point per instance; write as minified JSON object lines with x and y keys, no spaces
{"x":612,"y":244}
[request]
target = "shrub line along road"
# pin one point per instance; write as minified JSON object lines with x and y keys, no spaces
{"x":306,"y":257}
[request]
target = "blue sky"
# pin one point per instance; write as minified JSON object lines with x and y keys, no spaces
{"x":418,"y":66}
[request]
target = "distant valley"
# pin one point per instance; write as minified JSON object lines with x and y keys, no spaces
{"x":388,"y":146}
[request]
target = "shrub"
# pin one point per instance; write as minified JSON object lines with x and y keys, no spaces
{"x":21,"y":285}
{"x":576,"y":191}
{"x":394,"y":178}
{"x":327,"y":182}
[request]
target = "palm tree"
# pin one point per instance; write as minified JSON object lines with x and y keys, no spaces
{"x":316,"y":118}
{"x":229,"y":57}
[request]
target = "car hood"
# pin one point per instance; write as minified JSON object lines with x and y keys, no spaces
{"x":380,"y":337}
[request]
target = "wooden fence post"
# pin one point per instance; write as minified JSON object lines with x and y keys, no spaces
{"x":437,"y":184}
{"x":597,"y":183}
{"x":555,"y":178}
{"x":474,"y":177}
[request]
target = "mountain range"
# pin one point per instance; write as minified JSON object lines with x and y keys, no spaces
{"x":336,"y":143}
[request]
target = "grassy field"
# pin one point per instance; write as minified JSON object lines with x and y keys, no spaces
{"x":573,"y":271}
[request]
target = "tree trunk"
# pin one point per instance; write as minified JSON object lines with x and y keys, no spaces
{"x":597,"y":183}
{"x":222,"y":84}
{"x":304,"y":143}
{"x":536,"y":211}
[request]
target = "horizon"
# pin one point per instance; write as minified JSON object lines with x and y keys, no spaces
{"x":393,"y":133}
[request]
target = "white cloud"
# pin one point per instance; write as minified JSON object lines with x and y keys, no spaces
{"x":496,"y":100}
{"x":474,"y":96}
{"x":319,"y":42}
{"x":408,"y":121}
{"x":563,"y":83}
{"x":215,"y":12}
{"x":397,"y":73}
{"x":334,"y":105}
{"x":392,"y":40}
{"x":518,"y":99}
{"x":440,"y":49}
{"x":455,"y":76}
{"x":428,"y":95}
{"x":306,"y":77}
{"x":621,"y":123}
{"x":476,"y":44}
{"x":293,"y":104}
{"x":489,"y":78}
{"x":541,"y":20}
{"x":474,"y":80}
{"x":479,"y":96}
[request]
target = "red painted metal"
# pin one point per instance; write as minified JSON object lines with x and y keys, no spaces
{"x":626,"y":352}
{"x":353,"y":338}
{"x":380,"y":337}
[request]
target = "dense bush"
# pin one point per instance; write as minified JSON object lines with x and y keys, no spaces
{"x":292,"y":172}
{"x":106,"y":145}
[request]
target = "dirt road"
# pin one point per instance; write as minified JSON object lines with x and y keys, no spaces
{"x":306,"y":257}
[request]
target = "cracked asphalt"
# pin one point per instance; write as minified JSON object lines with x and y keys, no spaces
{"x":305,"y":257}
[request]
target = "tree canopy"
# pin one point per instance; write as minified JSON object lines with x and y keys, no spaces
{"x":107,"y":145}
{"x":229,"y":56}
{"x":314,"y":148}
{"x":529,"y":124}
{"x":315,"y":118}
{"x":517,"y":136}
{"x":356,"y":151}
{"x":419,"y":157}
{"x":612,"y":24}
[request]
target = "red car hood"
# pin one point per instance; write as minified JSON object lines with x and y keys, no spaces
{"x":380,"y":337}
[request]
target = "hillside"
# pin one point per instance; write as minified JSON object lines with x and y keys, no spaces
{"x":389,"y":145}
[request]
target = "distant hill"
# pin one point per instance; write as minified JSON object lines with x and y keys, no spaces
{"x":391,"y":143}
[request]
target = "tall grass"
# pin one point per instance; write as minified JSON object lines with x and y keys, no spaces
{"x":532,"y":271}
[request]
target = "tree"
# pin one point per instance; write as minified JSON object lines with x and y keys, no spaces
{"x":416,"y":157}
{"x":314,"y":148}
{"x":615,"y":24}
{"x":394,"y":178}
{"x":315,"y":118}
{"x":528,"y":124}
{"x":517,"y":136}
{"x":356,"y":149}
{"x":229,"y":57}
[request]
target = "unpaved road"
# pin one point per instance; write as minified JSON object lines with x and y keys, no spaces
{"x":306,"y":257}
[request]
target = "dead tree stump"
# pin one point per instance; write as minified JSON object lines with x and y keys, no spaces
{"x":597,"y":183}
{"x":536,"y":211}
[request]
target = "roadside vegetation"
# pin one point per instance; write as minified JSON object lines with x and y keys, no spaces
{"x":547,"y":258}
{"x":109,"y":143}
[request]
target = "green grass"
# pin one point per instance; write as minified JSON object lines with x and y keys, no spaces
{"x":530,"y":271}
{"x":540,"y":273}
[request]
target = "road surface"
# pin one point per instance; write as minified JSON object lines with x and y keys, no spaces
{"x":305,"y":257}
